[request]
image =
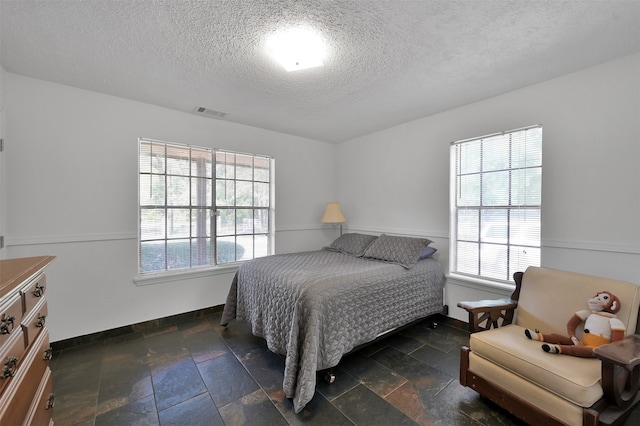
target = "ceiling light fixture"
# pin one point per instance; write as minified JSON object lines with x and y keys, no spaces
{"x":297,"y":48}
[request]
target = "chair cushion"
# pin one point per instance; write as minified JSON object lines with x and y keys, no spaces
{"x":574,"y":379}
{"x":566,"y":412}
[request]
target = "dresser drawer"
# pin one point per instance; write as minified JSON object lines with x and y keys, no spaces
{"x":41,"y":412}
{"x":10,"y":317}
{"x":35,"y":321}
{"x":18,"y":398}
{"x":33,"y":293}
{"x":11,"y":356}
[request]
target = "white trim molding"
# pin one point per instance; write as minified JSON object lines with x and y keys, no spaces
{"x":70,"y":238}
{"x":179,"y":275}
{"x":115,"y":236}
{"x":399,"y":231}
{"x":602,"y":246}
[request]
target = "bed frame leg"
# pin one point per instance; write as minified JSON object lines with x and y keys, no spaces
{"x":329,"y":376}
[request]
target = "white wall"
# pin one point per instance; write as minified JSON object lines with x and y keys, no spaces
{"x":70,"y":186}
{"x":397,"y":180}
{"x":71,"y":165}
{"x":2,"y":173}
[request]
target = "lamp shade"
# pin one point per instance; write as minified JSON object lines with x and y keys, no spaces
{"x":333,"y":214}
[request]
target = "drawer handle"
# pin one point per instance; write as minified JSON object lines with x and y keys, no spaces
{"x":51,"y":401}
{"x":39,"y":291}
{"x":48,"y":354}
{"x":42,"y":319}
{"x":10,"y":367}
{"x":6,"y":322}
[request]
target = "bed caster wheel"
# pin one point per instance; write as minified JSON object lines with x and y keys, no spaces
{"x":329,"y":378}
{"x":433,"y":325}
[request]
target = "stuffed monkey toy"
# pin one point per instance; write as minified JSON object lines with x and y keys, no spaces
{"x":601,"y":326}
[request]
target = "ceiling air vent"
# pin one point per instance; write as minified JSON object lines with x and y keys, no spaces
{"x":209,"y":112}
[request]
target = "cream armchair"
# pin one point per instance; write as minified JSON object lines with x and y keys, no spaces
{"x":541,"y":388}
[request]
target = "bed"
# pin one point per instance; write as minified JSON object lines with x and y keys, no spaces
{"x":314,"y":307}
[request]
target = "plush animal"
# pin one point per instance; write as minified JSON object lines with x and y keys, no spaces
{"x":601,"y":326}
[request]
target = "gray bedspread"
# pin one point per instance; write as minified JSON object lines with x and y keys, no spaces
{"x":314,"y":307}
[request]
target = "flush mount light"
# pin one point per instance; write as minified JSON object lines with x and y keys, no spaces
{"x":297,"y":48}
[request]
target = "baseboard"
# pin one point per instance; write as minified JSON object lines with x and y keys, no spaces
{"x":142,"y":327}
{"x":455,"y":323}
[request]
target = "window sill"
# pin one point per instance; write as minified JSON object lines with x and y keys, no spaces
{"x":184,"y":274}
{"x":473,"y":282}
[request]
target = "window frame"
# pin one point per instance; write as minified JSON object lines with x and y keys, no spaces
{"x":509,"y":239}
{"x":201,"y":231}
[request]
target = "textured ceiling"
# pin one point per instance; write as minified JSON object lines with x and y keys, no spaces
{"x":389,"y":61}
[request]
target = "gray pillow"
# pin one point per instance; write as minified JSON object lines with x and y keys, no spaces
{"x":427,"y":252}
{"x":403,"y":251}
{"x":354,"y":244}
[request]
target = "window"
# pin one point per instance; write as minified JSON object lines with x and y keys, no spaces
{"x":190,"y":197}
{"x":496,"y":188}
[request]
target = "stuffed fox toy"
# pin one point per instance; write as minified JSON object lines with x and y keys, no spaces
{"x":601,"y":326}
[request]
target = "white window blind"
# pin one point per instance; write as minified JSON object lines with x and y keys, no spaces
{"x":190,"y":197}
{"x":496,"y":190}
{"x":243,"y":185}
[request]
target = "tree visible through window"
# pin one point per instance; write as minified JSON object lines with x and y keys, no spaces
{"x":495,"y":203}
{"x":190,"y":197}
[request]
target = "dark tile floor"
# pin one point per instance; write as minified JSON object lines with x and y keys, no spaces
{"x":197,"y":373}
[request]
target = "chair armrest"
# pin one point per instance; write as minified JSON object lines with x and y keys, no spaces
{"x":488,"y":305}
{"x":620,"y":370}
{"x":625,"y":352}
{"x":489,"y":312}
